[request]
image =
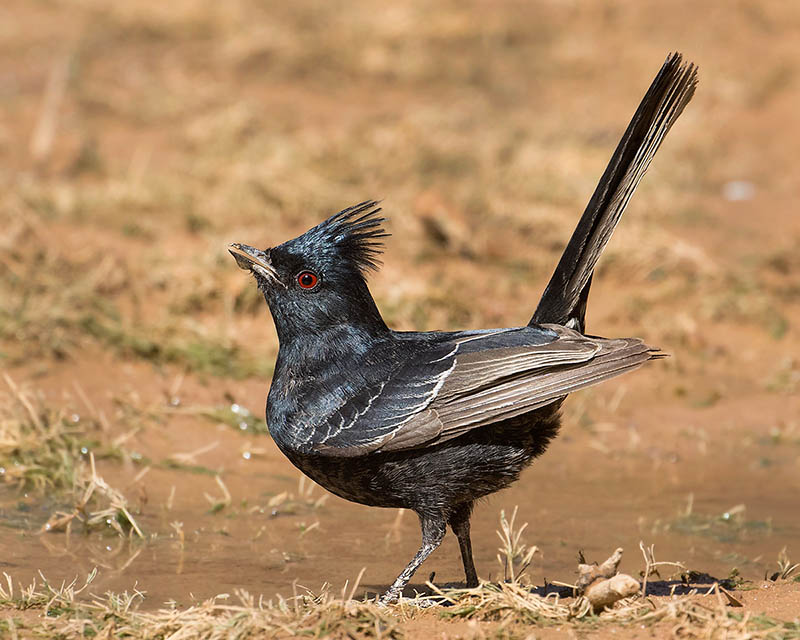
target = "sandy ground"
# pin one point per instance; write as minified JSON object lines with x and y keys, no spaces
{"x":137,"y":141}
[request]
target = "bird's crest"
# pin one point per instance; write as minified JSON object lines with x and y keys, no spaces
{"x":354,"y":234}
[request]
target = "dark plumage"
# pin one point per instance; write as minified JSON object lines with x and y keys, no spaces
{"x":433,"y":421}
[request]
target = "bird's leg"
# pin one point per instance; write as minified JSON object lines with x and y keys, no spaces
{"x":433,"y":530}
{"x":459,"y":522}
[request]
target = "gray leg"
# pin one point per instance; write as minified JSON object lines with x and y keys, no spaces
{"x":459,"y":521}
{"x":433,"y":530}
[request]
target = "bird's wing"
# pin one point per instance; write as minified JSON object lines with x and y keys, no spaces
{"x":490,"y":385}
{"x":392,"y":387}
{"x":471,"y":380}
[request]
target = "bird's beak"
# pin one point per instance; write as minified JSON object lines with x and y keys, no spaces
{"x":252,"y":259}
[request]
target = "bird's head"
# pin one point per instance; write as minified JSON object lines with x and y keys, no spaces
{"x":317,"y":281}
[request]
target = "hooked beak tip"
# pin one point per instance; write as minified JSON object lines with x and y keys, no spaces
{"x":247,"y":259}
{"x":243,"y":259}
{"x":245,"y":256}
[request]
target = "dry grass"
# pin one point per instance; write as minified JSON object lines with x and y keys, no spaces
{"x":91,"y":489}
{"x":689,"y":616}
{"x":54,"y":301}
{"x":786,"y":568}
{"x":509,"y":608}
{"x":514,"y":555}
{"x":45,"y":450}
{"x":221,"y":617}
{"x":40,"y":447}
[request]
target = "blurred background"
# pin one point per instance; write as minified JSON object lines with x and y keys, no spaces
{"x":137,"y":139}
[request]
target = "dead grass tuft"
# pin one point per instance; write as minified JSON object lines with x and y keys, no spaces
{"x":39,"y":446}
{"x":44,"y":449}
{"x":91,"y":489}
{"x":786,"y":568}
{"x":514,"y":555}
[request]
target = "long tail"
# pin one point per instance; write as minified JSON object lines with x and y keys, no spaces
{"x":564,"y":299}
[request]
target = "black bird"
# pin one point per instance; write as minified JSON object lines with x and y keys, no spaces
{"x":433,"y":421}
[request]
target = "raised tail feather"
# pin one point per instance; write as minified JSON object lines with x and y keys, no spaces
{"x":564,"y":299}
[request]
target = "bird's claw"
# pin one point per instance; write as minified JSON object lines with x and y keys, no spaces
{"x":393,"y":597}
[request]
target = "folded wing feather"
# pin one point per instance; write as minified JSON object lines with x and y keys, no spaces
{"x":486,"y":387}
{"x":469,"y":381}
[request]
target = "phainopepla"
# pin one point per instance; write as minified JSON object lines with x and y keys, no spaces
{"x":433,"y":421}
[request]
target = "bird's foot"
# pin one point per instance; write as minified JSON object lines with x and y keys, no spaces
{"x":390,"y":597}
{"x":394,"y":597}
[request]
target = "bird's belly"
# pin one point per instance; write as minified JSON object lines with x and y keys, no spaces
{"x":464,"y":469}
{"x":354,"y":479}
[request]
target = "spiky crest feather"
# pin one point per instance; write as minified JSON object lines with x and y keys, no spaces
{"x":354,"y":233}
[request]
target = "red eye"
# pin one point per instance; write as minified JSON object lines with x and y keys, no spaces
{"x":307,"y":280}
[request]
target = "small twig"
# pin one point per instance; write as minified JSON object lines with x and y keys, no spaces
{"x":356,"y":583}
{"x":189,"y":457}
{"x":651,"y":564}
{"x":219,"y":504}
